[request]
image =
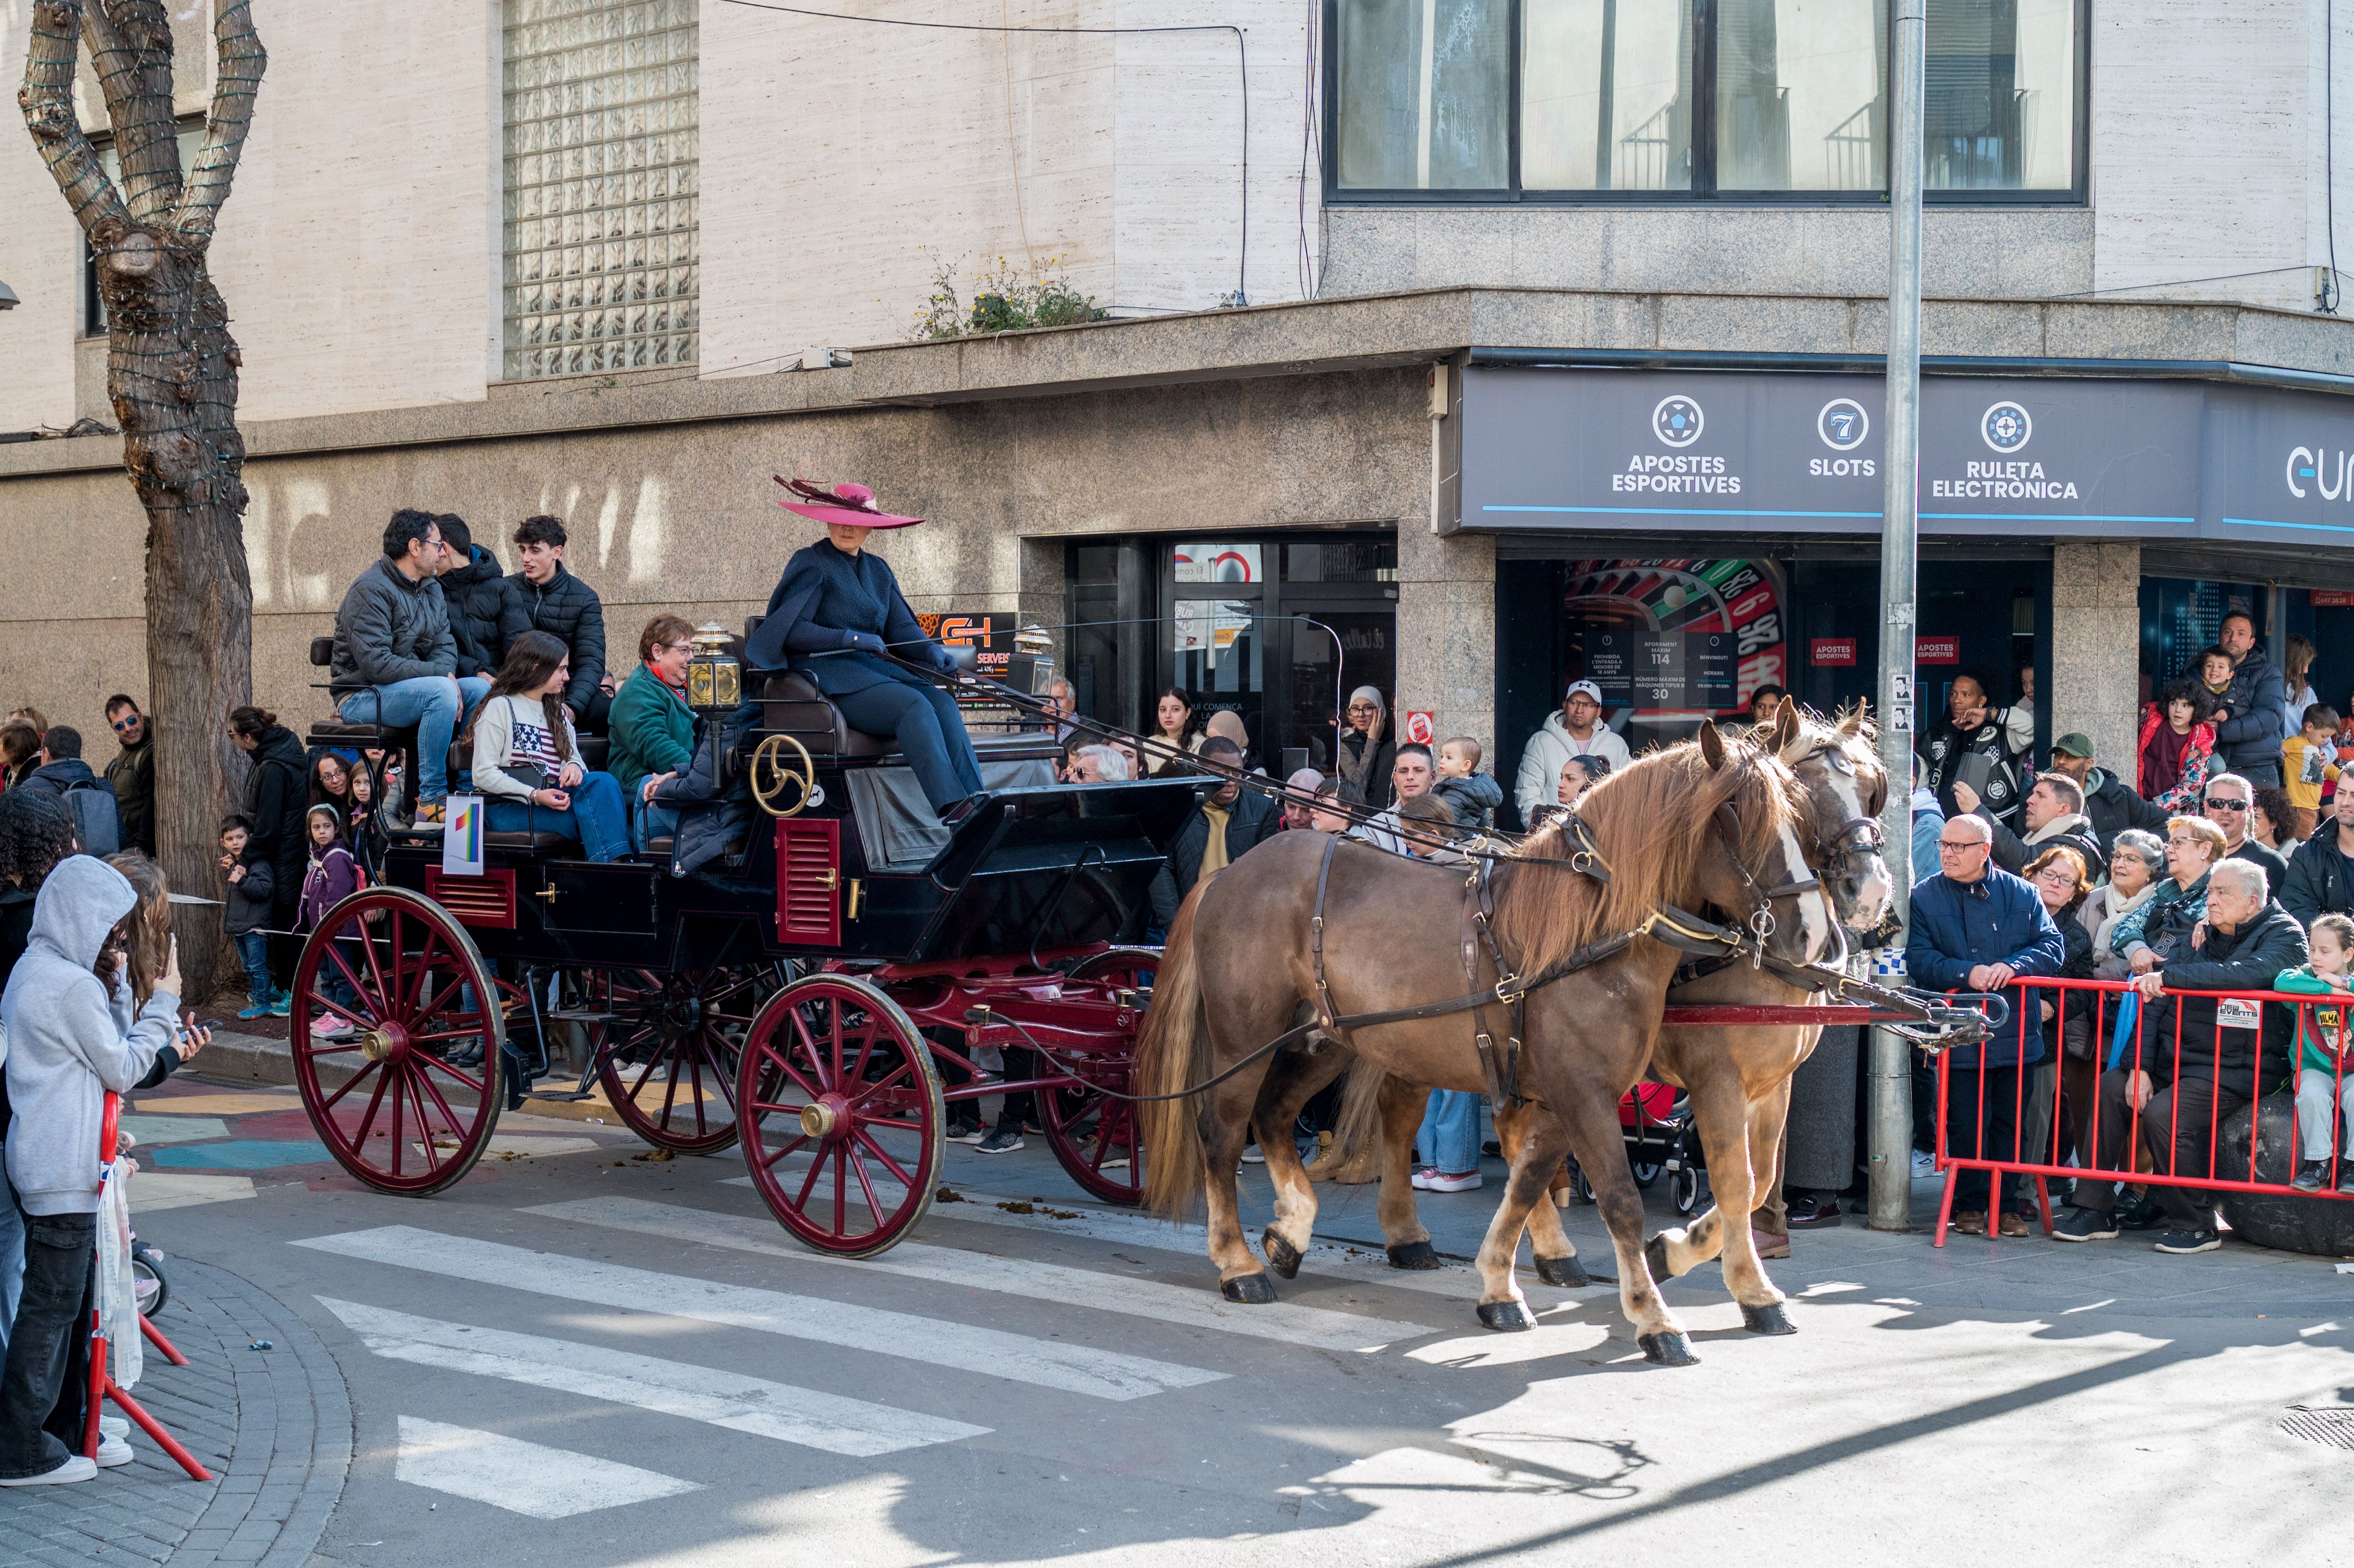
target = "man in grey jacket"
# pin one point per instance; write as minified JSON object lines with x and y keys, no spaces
{"x":72,"y":1038}
{"x":396,"y":662}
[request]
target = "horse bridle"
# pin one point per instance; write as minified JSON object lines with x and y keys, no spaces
{"x":1760,"y":922}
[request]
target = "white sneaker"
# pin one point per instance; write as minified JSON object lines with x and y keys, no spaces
{"x":1924,"y":1165}
{"x":1452,"y":1182}
{"x":113,"y":1451}
{"x":75,"y":1469}
{"x":1251,"y":1156}
{"x":114,"y":1427}
{"x":1423,"y":1178}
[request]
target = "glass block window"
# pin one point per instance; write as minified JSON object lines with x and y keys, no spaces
{"x":600,"y":174}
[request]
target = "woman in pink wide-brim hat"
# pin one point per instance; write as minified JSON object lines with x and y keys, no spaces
{"x":838,"y":616}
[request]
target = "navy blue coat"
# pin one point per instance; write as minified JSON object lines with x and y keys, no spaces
{"x":823,"y":595}
{"x":1997,"y":919}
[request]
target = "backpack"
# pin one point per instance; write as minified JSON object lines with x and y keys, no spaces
{"x":96,"y":822}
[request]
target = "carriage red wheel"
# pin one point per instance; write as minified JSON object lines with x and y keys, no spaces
{"x":1094,"y":1134}
{"x":667,"y":1059}
{"x":405,"y":986}
{"x":841,"y":1115}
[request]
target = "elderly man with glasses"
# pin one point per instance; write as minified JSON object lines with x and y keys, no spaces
{"x":1975,"y":928}
{"x":2191,"y":1071}
{"x":2230,"y":802}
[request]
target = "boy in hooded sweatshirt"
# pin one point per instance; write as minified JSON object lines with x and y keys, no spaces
{"x":74,"y":1034}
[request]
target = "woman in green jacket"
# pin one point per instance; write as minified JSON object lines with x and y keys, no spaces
{"x":651,"y":728}
{"x":2321,"y":1073}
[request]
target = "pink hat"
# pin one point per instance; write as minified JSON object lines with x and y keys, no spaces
{"x":848,"y":503}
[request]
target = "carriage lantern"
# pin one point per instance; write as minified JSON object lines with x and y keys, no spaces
{"x":1031,"y":666}
{"x":715,"y":677}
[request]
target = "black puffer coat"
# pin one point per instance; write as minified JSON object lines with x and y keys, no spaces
{"x":568,"y":608}
{"x":277,"y":796}
{"x":486,"y":613}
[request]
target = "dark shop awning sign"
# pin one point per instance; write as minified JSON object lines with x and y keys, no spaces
{"x":1715,"y":451}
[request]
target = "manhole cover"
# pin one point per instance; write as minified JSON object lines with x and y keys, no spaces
{"x":2332,"y":1427}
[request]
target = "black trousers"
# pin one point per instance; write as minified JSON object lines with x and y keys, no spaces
{"x":1988,"y":1131}
{"x":60,"y":1272}
{"x":2174,"y":1129}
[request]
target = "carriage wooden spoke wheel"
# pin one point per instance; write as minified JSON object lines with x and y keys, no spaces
{"x":841,"y":1115}
{"x":1095,"y":1136}
{"x":403,"y":1086}
{"x":667,"y":1053}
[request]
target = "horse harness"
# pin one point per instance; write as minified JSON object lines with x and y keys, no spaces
{"x":1678,"y":928}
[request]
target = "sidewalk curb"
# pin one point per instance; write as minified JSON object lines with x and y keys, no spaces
{"x":235,"y":1058}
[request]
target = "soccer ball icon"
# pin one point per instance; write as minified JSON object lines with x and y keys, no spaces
{"x":1676,"y":421}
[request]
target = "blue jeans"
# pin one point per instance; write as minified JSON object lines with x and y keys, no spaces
{"x":651,"y":820}
{"x":1450,"y":1138}
{"x":596,"y":817}
{"x":434,"y":704}
{"x":253,"y":952}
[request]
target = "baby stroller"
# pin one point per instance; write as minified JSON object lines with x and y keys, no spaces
{"x":1656,"y":1121}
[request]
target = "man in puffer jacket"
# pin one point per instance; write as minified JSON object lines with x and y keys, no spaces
{"x":72,"y":1038}
{"x":2248,"y":734}
{"x":563,"y":606}
{"x":485,"y":611}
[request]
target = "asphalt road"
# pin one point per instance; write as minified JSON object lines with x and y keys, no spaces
{"x":582,"y":1357}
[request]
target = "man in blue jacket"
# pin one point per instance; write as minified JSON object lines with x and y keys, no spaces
{"x":1977,"y":928}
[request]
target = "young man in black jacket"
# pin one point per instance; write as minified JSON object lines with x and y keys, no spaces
{"x":2109,"y":801}
{"x":2246,"y":940}
{"x":560,"y":604}
{"x":2321,"y":872}
{"x":486,"y":612}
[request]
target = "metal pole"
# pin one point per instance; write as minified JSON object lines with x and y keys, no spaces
{"x":1891,"y":1057}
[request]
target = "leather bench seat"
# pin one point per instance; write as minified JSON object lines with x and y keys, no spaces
{"x":791,"y":704}
{"x":337,"y":733}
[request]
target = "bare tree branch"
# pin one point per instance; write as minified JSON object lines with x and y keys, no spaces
{"x":130,"y":54}
{"x":240,"y":60}
{"x":46,"y":98}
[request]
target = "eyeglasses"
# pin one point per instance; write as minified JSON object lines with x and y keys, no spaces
{"x":675,"y":648}
{"x":122,"y":726}
{"x":1958,"y":846}
{"x":2212,"y":804}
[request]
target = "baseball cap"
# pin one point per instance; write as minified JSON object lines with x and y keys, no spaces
{"x":2076,"y":743}
{"x":1585,"y":687}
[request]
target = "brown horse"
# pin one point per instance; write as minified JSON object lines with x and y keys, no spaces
{"x":1703,"y":823}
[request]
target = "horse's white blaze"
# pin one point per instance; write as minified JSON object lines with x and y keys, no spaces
{"x":1813,"y":916}
{"x":1877,"y":888}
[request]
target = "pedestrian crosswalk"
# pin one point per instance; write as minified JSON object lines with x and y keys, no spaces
{"x":1090,"y":1342}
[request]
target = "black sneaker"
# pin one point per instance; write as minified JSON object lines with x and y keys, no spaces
{"x":2346,"y":1181}
{"x":2085,"y":1225}
{"x":2309,"y":1174}
{"x":2201,"y":1239}
{"x":964,"y":1129}
{"x":2142,"y":1215}
{"x":1000,"y":1141}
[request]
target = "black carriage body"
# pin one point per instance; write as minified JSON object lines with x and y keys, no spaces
{"x":1040,"y":869}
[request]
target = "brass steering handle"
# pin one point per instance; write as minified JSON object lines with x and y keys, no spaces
{"x":771,"y":772}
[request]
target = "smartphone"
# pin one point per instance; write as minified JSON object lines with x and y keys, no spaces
{"x":1973,"y":768}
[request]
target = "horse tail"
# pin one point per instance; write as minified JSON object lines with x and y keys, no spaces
{"x":1172,"y":1054}
{"x":1359,"y":1124}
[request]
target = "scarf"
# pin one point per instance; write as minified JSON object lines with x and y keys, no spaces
{"x":1213,"y":848}
{"x":2074,"y":822}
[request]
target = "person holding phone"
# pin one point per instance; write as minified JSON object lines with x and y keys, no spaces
{"x":527,"y":756}
{"x":1972,"y":746}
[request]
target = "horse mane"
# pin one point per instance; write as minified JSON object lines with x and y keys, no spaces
{"x":1652,"y":822}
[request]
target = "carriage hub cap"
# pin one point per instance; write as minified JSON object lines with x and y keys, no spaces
{"x":378,"y":1044}
{"x":824,"y":1118}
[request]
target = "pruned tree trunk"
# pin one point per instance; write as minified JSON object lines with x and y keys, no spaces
{"x":171,"y":374}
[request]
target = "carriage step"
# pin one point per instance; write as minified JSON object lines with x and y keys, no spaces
{"x":580,"y":1015}
{"x":567,"y":1096}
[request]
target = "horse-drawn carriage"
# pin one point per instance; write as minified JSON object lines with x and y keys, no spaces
{"x":817,"y":993}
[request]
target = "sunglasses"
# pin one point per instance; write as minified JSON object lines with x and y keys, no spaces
{"x":2212,"y":804}
{"x":123,"y":725}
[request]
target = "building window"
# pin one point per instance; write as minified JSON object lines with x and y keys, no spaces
{"x":1493,"y":101}
{"x":600,"y":185}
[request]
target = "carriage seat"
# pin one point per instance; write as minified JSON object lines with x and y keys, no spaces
{"x":791,"y":704}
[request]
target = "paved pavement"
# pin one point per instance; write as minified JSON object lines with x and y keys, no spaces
{"x":583,"y":1357}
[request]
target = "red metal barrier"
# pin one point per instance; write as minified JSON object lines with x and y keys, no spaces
{"x":2157,"y":1044}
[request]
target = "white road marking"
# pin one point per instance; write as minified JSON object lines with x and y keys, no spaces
{"x":934,"y":1341}
{"x":1357,"y":1265}
{"x":519,"y":1476}
{"x":1187,"y":1306}
{"x":736,"y":1401}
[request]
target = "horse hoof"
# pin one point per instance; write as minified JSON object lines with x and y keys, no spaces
{"x":1768,"y":1319}
{"x":1668,"y":1349}
{"x":1413,"y":1254}
{"x":1281,"y":1256}
{"x":1566,"y":1272}
{"x":1506,"y":1317}
{"x":1655,"y":1258}
{"x":1250,"y":1289}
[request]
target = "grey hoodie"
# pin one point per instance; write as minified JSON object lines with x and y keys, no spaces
{"x":69,"y":1041}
